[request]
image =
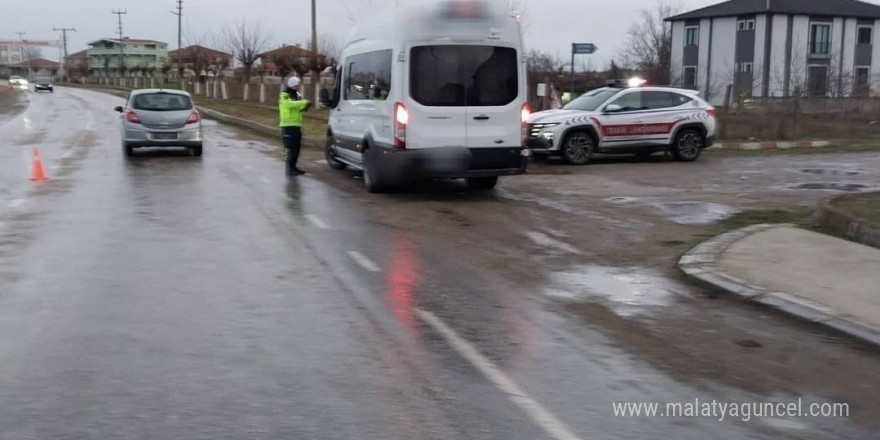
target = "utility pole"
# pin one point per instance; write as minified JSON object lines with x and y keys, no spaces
{"x":179,"y":15}
{"x":25,"y":55}
{"x":316,"y":76}
{"x":64,"y":75}
{"x":120,"y":13}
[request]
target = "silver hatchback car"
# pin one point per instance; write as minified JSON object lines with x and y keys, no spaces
{"x":160,"y":118}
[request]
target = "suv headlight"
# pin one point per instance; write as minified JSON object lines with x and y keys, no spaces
{"x":536,"y":130}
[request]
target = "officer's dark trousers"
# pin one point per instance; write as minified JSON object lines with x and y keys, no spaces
{"x":292,"y":138}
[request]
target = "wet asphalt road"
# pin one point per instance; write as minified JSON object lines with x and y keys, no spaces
{"x":168,"y":296}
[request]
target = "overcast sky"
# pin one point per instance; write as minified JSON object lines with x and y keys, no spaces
{"x":553,"y":24}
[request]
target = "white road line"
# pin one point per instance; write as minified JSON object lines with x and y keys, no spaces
{"x":363,"y":261}
{"x":55,"y":167}
{"x":265,"y":180}
{"x":68,"y":153}
{"x":248,"y":167}
{"x":15,"y":203}
{"x":551,"y":425}
{"x":315,"y":220}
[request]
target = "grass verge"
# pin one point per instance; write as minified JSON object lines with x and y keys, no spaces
{"x":865,"y":207}
{"x":850,"y":147}
{"x":314,"y":128}
{"x":800,"y":216}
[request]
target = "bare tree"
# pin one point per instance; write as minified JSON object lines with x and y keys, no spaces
{"x":79,"y":67}
{"x":289,"y":59}
{"x":197,"y":55}
{"x":328,"y":53}
{"x":31,"y":52}
{"x":164,"y":70}
{"x":649,"y":42}
{"x":839,"y":79}
{"x":246,"y":41}
{"x":544,"y":63}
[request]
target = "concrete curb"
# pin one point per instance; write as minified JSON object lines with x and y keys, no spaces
{"x":774,"y":145}
{"x":847,"y":225}
{"x":700,"y":263}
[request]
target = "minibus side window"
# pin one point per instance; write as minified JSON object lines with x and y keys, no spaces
{"x":368,"y":76}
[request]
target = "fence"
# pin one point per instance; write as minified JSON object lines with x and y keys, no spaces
{"x":811,"y":106}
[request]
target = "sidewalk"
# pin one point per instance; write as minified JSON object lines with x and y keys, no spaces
{"x":833,"y":282}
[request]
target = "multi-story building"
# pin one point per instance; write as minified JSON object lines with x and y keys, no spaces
{"x":11,"y":52}
{"x":105,"y":55}
{"x":763,"y":48}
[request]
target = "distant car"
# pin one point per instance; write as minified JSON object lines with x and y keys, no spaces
{"x":625,"y":120}
{"x":160,"y":118}
{"x":43,"y":83}
{"x":18,"y":81}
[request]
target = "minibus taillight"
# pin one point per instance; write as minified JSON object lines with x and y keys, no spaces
{"x":526,"y":112}
{"x":401,"y":118}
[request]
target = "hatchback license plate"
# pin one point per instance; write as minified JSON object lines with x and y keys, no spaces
{"x":164,"y":136}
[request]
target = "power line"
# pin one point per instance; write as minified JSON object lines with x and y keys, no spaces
{"x":119,"y":14}
{"x":64,"y":45}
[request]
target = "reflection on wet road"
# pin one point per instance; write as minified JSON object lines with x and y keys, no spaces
{"x":168,"y":296}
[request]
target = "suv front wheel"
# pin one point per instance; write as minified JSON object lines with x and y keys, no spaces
{"x":688,"y":145}
{"x":577,"y":148}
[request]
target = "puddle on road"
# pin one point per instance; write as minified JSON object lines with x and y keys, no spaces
{"x":833,"y":186}
{"x":684,"y":213}
{"x":628,"y":291}
{"x":620,"y":199}
{"x":695,"y":213}
{"x":542,"y":201}
{"x":543,"y":240}
{"x":829,"y":172}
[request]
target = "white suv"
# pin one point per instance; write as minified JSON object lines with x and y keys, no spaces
{"x":620,"y":120}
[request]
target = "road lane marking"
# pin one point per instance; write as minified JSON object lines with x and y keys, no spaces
{"x":248,"y":167}
{"x":547,"y":421}
{"x":315,"y":220}
{"x":363,"y":261}
{"x":15,"y":203}
{"x":68,"y":153}
{"x":265,"y":180}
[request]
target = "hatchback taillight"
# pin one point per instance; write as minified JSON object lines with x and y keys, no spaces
{"x":401,"y":119}
{"x":194,"y":118}
{"x":131,"y":117}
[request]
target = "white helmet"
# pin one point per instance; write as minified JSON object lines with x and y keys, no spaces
{"x":293,"y":82}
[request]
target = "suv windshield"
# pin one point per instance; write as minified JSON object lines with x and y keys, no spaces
{"x":43,"y":79}
{"x":457,"y":76}
{"x":160,"y":102}
{"x":590,"y":101}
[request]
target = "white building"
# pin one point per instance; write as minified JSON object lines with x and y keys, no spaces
{"x":778,"y":48}
{"x":11,"y":52}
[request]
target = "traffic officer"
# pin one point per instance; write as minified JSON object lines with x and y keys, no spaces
{"x":291,"y":109}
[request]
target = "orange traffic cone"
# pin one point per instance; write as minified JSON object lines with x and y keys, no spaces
{"x":37,"y":172}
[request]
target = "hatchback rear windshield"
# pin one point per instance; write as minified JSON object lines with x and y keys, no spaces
{"x":457,"y":75}
{"x":161,"y":102}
